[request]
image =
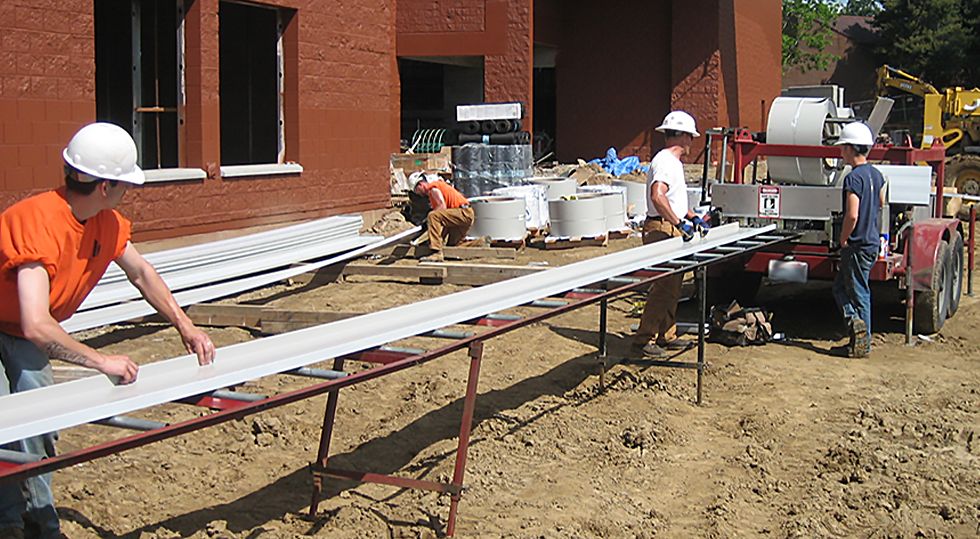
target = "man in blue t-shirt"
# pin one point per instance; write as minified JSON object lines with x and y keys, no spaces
{"x":863,"y":196}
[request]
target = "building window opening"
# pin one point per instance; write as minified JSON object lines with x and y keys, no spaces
{"x":250,"y":48}
{"x":139,"y":74}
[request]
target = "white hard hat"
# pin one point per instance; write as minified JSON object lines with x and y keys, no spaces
{"x":679,"y":120}
{"x":105,"y":151}
{"x":856,"y":133}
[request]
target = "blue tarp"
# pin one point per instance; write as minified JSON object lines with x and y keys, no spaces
{"x":612,"y":164}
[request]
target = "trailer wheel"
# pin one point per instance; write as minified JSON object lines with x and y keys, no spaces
{"x":955,"y":273}
{"x":932,"y":306}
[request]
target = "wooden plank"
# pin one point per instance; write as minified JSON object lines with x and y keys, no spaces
{"x":210,"y":314}
{"x":418,"y":272}
{"x":281,"y":321}
{"x":571,"y":243}
{"x":480,"y":274}
{"x":467,"y":253}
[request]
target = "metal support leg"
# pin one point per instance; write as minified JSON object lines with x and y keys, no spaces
{"x":469,"y":405}
{"x":973,"y":232}
{"x":603,"y":309}
{"x":909,"y":286}
{"x":326,"y":432}
{"x":702,"y":275}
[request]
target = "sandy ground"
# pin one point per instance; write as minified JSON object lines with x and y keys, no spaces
{"x":790,"y":442}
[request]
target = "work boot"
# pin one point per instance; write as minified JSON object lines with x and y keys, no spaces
{"x":12,"y":532}
{"x":650,"y":350}
{"x":859,"y":338}
{"x":678,"y":345}
{"x":434,"y":257}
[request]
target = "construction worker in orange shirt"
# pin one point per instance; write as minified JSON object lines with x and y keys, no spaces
{"x":451,"y":216}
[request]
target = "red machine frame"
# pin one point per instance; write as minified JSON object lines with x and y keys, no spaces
{"x":928,"y":233}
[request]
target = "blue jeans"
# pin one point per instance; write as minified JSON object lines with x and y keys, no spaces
{"x":28,"y":505}
{"x":852,"y":289}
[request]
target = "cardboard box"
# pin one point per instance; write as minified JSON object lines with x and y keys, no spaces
{"x":414,"y":162}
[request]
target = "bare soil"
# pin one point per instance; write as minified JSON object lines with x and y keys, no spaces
{"x":789,"y":442}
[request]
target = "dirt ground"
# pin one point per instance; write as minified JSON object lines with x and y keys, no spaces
{"x":789,"y":442}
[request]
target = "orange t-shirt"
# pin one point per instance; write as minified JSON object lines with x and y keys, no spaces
{"x":454,"y":199}
{"x":42,"y":229}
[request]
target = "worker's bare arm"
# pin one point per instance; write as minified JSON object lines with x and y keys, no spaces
{"x":658,"y":194}
{"x":436,"y":199}
{"x":146,"y":279}
{"x":39,"y":327}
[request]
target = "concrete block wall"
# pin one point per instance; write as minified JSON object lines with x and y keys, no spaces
{"x":340,"y":113}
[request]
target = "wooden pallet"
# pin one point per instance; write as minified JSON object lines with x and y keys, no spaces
{"x":509,"y":244}
{"x":552,"y":242}
{"x":619,"y":234}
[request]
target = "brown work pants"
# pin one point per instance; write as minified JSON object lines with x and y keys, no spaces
{"x":659,"y":321}
{"x":449,"y":225}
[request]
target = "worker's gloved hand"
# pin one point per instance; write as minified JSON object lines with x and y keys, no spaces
{"x":686,"y":228}
{"x":700,"y":224}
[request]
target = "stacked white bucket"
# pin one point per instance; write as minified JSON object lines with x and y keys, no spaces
{"x":500,"y":218}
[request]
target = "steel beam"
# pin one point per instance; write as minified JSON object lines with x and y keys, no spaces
{"x":83,"y":401}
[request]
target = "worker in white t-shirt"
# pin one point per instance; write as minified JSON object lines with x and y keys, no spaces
{"x":668,"y":216}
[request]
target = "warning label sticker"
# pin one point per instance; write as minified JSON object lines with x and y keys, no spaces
{"x":769,"y":204}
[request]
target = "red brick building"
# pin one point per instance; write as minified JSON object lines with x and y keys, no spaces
{"x":256,"y":113}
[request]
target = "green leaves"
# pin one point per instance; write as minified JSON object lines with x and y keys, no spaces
{"x":936,"y":40}
{"x":807,"y":32}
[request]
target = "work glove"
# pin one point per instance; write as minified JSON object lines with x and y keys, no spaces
{"x":700,"y":225}
{"x":686,"y":228}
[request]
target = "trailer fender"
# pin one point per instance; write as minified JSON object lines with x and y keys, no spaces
{"x":928,"y":234}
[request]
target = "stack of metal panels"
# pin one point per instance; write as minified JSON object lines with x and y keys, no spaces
{"x":234,"y":262}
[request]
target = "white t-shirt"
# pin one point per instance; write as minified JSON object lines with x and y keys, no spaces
{"x":669,"y":170}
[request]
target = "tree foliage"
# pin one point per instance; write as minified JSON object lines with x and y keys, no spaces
{"x":862,"y":8}
{"x":937,"y":40}
{"x":807,"y":31}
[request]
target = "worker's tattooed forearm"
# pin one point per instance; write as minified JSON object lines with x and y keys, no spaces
{"x":57,"y":350}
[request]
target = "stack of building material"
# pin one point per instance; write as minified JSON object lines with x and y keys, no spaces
{"x":238,"y":264}
{"x":495,"y":152}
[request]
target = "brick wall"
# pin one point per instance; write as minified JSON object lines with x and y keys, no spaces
{"x":441,"y":16}
{"x":47,"y":80}
{"x":339,"y":105}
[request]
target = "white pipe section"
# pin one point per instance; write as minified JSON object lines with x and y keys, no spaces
{"x":91,"y":399}
{"x":128,"y":311}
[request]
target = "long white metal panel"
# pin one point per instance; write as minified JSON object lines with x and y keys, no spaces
{"x":90,"y":399}
{"x":128,"y":311}
{"x":253,"y":245}
{"x":228,"y":269}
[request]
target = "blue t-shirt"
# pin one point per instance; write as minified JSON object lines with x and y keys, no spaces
{"x":866,"y":182}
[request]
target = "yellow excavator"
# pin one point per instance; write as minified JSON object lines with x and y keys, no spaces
{"x":951,"y":115}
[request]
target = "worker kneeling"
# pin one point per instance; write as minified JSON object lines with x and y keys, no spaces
{"x":451,"y":216}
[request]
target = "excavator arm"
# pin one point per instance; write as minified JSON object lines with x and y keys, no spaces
{"x":889,"y":77}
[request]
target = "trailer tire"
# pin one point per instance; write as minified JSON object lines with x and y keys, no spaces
{"x":932,"y":306}
{"x":955,"y":273}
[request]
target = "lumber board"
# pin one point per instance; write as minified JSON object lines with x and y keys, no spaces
{"x":480,"y":274}
{"x":418,"y":272}
{"x":275,"y":322}
{"x":468,"y":253}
